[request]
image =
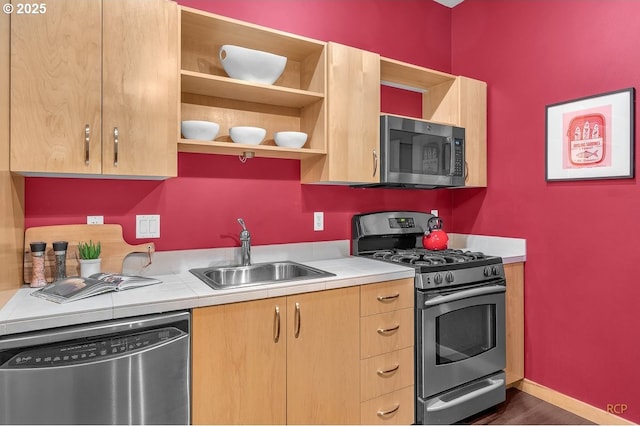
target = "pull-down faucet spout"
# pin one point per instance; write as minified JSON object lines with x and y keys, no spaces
{"x":245,"y":240}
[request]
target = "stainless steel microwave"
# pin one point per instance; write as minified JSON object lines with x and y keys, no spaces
{"x":419,"y":154}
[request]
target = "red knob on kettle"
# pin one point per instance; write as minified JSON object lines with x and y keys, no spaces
{"x":435,"y":238}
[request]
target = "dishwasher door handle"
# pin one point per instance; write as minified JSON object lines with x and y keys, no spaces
{"x":91,"y":330}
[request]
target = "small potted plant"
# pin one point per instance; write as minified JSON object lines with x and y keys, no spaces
{"x":89,"y":258}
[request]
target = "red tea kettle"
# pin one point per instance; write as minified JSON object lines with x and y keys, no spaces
{"x":435,"y":238}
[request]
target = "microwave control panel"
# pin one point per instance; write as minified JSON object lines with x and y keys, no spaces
{"x":458,"y":155}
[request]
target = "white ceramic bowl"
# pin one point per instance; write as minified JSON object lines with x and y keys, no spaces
{"x":247,"y":134}
{"x":201,"y":130}
{"x":290,"y":139}
{"x":251,"y":65}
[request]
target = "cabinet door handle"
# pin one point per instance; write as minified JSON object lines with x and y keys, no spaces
{"x":466,"y":170}
{"x":297,"y":321}
{"x":375,"y":163}
{"x":386,"y":413}
{"x":388,"y":298}
{"x":116,"y":135}
{"x":276,"y":325}
{"x":384,"y":331}
{"x":87,"y":139}
{"x":388,"y":371}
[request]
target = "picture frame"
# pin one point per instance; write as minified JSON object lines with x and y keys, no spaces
{"x":591,"y":137}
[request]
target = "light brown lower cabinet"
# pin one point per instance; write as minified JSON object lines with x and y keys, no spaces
{"x":514,"y":274}
{"x":291,"y":359}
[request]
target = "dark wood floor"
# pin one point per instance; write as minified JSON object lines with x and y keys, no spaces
{"x":523,"y":409}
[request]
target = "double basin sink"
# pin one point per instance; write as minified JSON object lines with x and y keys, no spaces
{"x":223,"y":277}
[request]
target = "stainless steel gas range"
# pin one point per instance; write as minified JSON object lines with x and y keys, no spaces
{"x":459,"y":316}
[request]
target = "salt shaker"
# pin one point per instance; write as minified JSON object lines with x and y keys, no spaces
{"x":60,"y":252}
{"x":37,"y":264}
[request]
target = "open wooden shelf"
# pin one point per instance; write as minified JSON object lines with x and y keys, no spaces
{"x":412,"y":76}
{"x":229,"y":88}
{"x":230,"y":148}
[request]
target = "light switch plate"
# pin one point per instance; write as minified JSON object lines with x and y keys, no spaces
{"x":318,"y":221}
{"x":148,"y":226}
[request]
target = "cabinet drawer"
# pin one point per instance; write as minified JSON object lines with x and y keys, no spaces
{"x":394,"y":408}
{"x":386,"y":373}
{"x":386,"y":296}
{"x":386,"y":332}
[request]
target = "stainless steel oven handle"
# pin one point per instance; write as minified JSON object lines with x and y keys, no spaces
{"x":439,"y":404}
{"x":478,"y":291}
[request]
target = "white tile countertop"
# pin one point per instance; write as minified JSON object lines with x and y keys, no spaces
{"x":182,"y":290}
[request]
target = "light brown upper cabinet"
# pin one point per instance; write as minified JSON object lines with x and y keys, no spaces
{"x":353,"y":120}
{"x":294,"y":102}
{"x":94,"y":89}
{"x":463,"y":102}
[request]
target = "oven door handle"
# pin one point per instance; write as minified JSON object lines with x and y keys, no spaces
{"x":478,"y":291}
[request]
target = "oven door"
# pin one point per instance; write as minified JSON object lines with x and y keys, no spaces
{"x":460,"y":337}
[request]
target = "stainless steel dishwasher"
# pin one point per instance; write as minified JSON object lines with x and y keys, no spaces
{"x":129,"y":371}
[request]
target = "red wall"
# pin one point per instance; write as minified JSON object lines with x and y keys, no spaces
{"x":198,"y":209}
{"x":582,"y":292}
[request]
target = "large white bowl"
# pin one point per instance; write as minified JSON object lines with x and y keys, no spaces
{"x":198,"y":129}
{"x":251,"y":65}
{"x":247,"y":134}
{"x":290,"y":139}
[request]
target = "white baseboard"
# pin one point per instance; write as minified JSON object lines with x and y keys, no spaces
{"x":570,"y":404}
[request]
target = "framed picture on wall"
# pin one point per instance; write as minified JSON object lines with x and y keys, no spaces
{"x":591,"y":138}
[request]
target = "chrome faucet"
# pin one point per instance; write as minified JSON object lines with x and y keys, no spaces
{"x":245,"y":239}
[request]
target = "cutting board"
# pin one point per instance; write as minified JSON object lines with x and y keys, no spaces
{"x":114,"y":248}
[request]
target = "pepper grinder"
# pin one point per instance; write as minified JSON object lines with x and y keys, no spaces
{"x":37,"y":264}
{"x":60,"y":251}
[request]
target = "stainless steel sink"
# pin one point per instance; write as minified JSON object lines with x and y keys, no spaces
{"x":222,"y":277}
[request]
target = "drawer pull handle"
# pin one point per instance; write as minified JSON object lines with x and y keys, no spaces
{"x":388,"y":298}
{"x":389,"y":371}
{"x":387,"y":413}
{"x":276,"y":325}
{"x":384,"y":331}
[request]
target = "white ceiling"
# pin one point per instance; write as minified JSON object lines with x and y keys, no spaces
{"x":449,"y":3}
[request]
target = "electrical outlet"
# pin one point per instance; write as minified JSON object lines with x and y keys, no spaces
{"x":318,"y":221}
{"x":95,"y":220}
{"x":148,"y":226}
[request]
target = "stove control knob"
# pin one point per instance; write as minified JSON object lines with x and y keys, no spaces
{"x":438,"y":279}
{"x":449,"y":277}
{"x":487,"y":271}
{"x":495,"y":270}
